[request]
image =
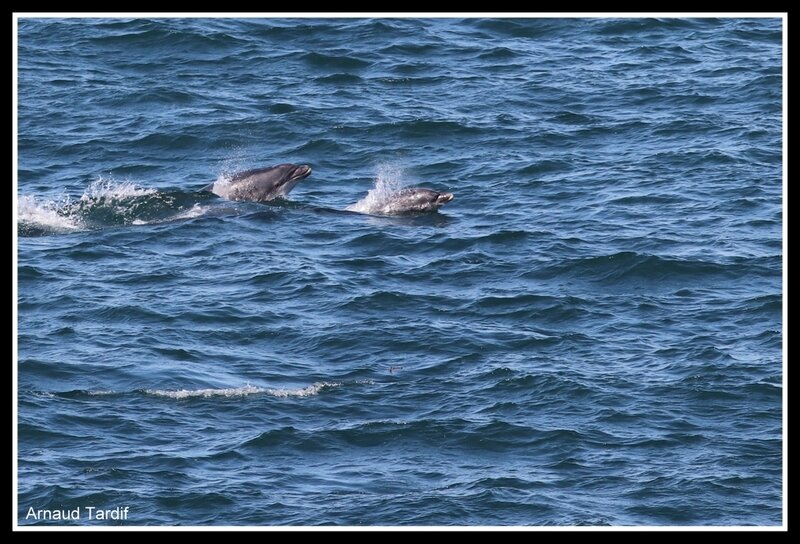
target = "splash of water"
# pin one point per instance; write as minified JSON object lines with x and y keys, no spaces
{"x":222,"y":186}
{"x":389,"y":180}
{"x":110,"y":189}
{"x":47,"y":215}
{"x":104,"y":202}
{"x":236,"y":162}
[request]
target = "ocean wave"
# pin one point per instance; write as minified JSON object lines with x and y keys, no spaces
{"x":321,"y":60}
{"x":628,"y":265}
{"x":339,"y":79}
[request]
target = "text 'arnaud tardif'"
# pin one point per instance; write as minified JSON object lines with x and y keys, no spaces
{"x":87,"y":513}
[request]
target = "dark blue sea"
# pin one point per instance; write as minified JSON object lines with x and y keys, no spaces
{"x":588,"y":334}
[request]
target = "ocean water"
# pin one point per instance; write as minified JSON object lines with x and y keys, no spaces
{"x":588,"y":334}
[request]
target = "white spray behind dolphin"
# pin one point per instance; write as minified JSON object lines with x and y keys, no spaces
{"x":389,"y":179}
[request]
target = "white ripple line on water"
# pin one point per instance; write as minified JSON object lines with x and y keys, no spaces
{"x":243,"y":391}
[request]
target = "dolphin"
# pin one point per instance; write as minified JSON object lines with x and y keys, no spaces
{"x":408,"y":200}
{"x":261,"y":184}
{"x":415,"y":199}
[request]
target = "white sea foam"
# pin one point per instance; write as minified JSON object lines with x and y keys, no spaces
{"x":51,"y":215}
{"x":389,"y":179}
{"x":243,"y":391}
{"x":308,"y":391}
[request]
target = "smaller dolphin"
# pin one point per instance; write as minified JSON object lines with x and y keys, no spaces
{"x":411,"y":200}
{"x":261,"y":184}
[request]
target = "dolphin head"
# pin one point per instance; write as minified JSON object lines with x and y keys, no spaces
{"x":286,"y":176}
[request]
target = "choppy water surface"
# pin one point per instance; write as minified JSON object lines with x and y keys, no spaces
{"x":590,"y":333}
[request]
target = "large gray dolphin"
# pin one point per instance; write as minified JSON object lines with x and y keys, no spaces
{"x":261,"y":184}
